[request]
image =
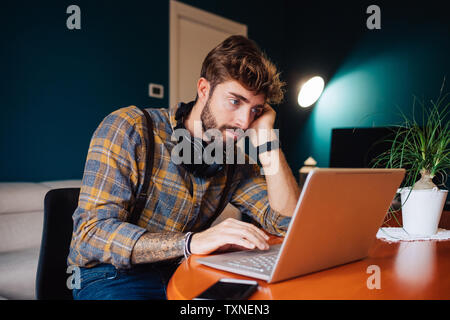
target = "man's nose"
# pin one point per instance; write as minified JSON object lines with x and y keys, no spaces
{"x":244,"y":119}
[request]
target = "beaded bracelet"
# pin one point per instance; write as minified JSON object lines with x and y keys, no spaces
{"x":187,"y":244}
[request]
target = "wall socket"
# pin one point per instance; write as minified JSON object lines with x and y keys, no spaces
{"x":156,"y":90}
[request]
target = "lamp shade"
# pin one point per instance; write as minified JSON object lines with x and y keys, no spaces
{"x":310,"y":91}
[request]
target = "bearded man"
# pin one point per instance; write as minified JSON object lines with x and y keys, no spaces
{"x":120,"y":259}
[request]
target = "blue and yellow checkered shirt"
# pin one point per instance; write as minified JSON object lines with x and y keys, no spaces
{"x":179,"y":201}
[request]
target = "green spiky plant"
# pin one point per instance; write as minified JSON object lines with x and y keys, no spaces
{"x":422,"y":149}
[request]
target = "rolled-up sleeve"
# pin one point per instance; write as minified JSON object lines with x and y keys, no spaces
{"x":110,"y":181}
{"x":251,"y":198}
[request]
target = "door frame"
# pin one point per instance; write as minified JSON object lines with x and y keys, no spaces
{"x":180,"y":10}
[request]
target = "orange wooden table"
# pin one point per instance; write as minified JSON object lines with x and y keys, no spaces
{"x":408,"y":270}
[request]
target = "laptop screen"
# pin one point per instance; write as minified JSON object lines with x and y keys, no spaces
{"x":357,"y":147}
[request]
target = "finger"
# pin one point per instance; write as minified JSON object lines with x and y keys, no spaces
{"x":249,"y":235}
{"x":268,"y":107}
{"x":255,"y":228}
{"x":232,"y":221}
{"x":246,"y":227}
{"x":252,"y":231}
{"x":236,"y":240}
{"x":208,"y":241}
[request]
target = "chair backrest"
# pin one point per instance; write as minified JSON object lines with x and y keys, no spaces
{"x":51,"y":277}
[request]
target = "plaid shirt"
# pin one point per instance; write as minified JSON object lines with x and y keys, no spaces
{"x":179,"y":201}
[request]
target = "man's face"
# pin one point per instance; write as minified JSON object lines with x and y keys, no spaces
{"x":231,"y":107}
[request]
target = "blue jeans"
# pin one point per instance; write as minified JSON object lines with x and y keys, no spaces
{"x":141,"y":282}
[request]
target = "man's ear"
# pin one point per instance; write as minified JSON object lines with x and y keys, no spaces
{"x":203,"y":88}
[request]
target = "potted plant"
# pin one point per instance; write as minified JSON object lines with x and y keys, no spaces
{"x":423,"y":149}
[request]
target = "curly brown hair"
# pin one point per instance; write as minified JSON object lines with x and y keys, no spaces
{"x":239,"y":58}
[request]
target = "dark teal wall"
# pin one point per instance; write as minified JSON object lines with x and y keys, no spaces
{"x":368,"y":73}
{"x":376,"y":82}
{"x":58,"y":84}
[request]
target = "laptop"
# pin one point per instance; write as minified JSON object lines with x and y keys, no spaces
{"x":335,"y":222}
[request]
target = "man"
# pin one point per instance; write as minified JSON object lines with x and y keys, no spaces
{"x":121,"y":260}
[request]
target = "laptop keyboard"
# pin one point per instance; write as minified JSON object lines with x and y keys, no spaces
{"x":258,"y":263}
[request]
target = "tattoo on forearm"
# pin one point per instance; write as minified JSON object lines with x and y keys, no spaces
{"x":153,"y":247}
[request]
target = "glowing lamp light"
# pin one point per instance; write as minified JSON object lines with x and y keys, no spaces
{"x":310,"y":91}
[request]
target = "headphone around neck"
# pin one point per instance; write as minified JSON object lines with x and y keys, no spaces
{"x":197,"y":146}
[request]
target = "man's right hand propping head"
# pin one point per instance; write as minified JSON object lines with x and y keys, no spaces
{"x":229,"y":233}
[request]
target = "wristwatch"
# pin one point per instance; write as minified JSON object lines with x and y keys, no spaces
{"x":268,"y":146}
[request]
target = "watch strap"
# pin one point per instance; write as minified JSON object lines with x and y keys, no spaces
{"x":268,"y":146}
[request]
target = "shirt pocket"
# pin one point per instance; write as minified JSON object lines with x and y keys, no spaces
{"x":169,"y":208}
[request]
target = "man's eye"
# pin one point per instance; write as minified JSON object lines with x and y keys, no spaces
{"x":234,"y":102}
{"x":257,"y":111}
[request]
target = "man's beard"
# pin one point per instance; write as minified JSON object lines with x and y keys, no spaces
{"x":207,"y":118}
{"x":209,"y":121}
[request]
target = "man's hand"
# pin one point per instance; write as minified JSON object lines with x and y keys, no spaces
{"x":262,"y":127}
{"x":226,"y":233}
{"x":265,"y":120}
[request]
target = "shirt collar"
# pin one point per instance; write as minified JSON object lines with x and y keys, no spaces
{"x":172,"y":111}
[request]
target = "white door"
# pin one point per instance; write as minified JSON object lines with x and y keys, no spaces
{"x":193,"y":33}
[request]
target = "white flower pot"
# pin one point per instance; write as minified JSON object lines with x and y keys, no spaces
{"x":421,"y":210}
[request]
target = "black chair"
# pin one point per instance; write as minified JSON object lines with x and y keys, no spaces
{"x":51,"y":277}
